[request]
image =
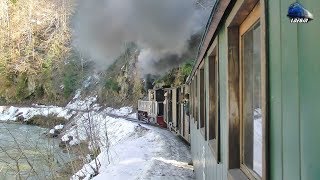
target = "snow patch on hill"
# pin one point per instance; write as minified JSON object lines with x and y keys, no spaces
{"x":10,"y":113}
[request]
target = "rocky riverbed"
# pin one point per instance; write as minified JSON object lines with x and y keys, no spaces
{"x":25,"y":152}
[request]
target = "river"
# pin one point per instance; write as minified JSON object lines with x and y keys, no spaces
{"x":25,"y":153}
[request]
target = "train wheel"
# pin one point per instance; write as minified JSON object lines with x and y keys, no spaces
{"x":138,"y":116}
{"x":153,"y":120}
{"x":170,"y":126}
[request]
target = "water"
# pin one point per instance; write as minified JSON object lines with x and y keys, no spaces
{"x":25,"y":152}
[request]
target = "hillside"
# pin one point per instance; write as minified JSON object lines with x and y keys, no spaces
{"x":34,"y":42}
{"x":43,"y":58}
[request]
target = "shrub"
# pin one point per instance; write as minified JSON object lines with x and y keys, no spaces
{"x":176,"y":76}
{"x":46,"y":121}
{"x":186,"y":69}
{"x":22,"y":87}
{"x":112,"y":85}
{"x":72,"y":77}
{"x":70,"y":83}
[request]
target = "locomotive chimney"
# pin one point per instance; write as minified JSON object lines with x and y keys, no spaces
{"x":148,"y":83}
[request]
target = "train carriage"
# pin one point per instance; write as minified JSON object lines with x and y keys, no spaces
{"x":172,"y":106}
{"x":254,"y":101}
{"x":184,"y":118}
{"x":253,"y":104}
{"x":175,"y":110}
{"x":167,"y":107}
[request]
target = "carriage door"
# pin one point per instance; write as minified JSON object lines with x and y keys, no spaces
{"x":182,"y":112}
{"x":169,"y":106}
{"x":165,"y":106}
{"x":178,"y":108}
{"x":174,"y":108}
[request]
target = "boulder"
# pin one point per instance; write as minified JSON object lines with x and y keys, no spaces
{"x":64,"y":144}
{"x":20,"y":118}
{"x":53,"y":133}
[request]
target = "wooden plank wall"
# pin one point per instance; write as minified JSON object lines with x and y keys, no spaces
{"x":223,"y":82}
{"x":294,"y":93}
{"x":294,"y":100}
{"x":206,"y":166}
{"x":309,"y":74}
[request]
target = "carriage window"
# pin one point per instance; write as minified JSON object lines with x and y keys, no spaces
{"x":251,"y":100}
{"x":214,"y":103}
{"x":196,"y":95}
{"x":247,"y":91}
{"x":202,"y":102}
{"x":191,"y":99}
{"x":213,"y":97}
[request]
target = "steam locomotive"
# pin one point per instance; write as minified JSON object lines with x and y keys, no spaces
{"x":168,"y":108}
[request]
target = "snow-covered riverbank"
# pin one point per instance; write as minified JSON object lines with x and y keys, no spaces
{"x":136,"y":152}
{"x":26,"y":154}
{"x":127,"y":150}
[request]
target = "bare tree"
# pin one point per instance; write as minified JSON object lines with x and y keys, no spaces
{"x":33,"y":34}
{"x":17,"y":156}
{"x":97,"y":137}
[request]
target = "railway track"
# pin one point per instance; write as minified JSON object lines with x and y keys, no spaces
{"x":135,"y":120}
{"x":115,"y":116}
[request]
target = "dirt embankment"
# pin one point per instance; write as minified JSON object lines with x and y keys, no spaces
{"x":46,"y":121}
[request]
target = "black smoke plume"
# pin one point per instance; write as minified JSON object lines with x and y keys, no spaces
{"x":161,"y":28}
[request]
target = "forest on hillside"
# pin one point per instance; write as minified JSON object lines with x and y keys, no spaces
{"x":39,"y":62}
{"x":71,"y":75}
{"x":35,"y":39}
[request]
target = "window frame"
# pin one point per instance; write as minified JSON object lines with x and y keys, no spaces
{"x":196,"y":89}
{"x":191,"y":98}
{"x":213,"y":85}
{"x":202,"y":101}
{"x":250,"y":21}
{"x":240,"y":11}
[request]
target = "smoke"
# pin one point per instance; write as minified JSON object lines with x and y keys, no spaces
{"x":160,"y":28}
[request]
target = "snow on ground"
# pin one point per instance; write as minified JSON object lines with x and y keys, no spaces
{"x":10,"y":113}
{"x":128,"y":150}
{"x":58,"y":127}
{"x":133,"y":116}
{"x":82,"y":105}
{"x":51,"y":131}
{"x":257,"y":141}
{"x":139,"y":152}
{"x":124,"y":111}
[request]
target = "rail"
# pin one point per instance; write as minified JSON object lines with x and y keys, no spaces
{"x":135,"y":120}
